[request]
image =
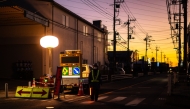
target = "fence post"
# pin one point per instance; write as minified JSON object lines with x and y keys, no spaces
{"x":6,"y":90}
{"x":169,"y":84}
{"x":109,"y":75}
{"x":175,"y":77}
{"x":29,"y":83}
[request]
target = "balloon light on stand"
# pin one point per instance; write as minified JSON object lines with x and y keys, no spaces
{"x":49,"y":42}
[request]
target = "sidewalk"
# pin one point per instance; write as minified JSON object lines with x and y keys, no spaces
{"x":180,"y":96}
{"x":12,"y":83}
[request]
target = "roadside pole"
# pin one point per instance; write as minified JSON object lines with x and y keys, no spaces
{"x":6,"y":90}
{"x":169,"y":84}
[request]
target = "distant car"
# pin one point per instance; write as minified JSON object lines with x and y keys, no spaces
{"x":119,"y":70}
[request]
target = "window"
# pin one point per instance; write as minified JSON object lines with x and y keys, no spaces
{"x":65,"y":20}
{"x":99,"y":37}
{"x":85,"y":30}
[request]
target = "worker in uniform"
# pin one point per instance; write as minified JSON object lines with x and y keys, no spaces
{"x":94,"y":80}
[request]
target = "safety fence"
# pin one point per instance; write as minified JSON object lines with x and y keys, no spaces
{"x":150,"y":73}
{"x":153,"y":73}
{"x":140,"y":74}
{"x":104,"y":78}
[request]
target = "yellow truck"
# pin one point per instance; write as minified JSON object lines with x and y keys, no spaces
{"x":74,"y":72}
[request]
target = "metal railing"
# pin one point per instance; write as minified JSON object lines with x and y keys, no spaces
{"x":121,"y":76}
{"x":104,"y":78}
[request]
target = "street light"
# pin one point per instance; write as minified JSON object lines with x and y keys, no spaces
{"x":49,"y":42}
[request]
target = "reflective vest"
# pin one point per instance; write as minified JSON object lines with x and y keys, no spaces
{"x":94,"y":79}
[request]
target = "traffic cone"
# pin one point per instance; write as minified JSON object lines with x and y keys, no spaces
{"x":33,"y":83}
{"x":80,"y":92}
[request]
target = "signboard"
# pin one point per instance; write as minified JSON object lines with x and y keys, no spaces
{"x":70,"y":59}
{"x":65,"y":71}
{"x":58,"y":81}
{"x":32,"y":92}
{"x":76,"y":70}
{"x":40,"y":92}
{"x":71,"y":72}
{"x":23,"y":91}
{"x":71,"y":63}
{"x":36,"y":18}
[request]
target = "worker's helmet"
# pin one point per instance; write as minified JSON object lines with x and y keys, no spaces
{"x":95,"y":66}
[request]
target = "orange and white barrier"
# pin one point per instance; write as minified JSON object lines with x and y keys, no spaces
{"x":80,"y":92}
{"x":33,"y":83}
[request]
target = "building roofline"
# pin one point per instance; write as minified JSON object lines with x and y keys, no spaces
{"x":20,"y":5}
{"x":75,"y":15}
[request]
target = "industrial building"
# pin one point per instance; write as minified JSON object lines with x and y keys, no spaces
{"x":24,"y":22}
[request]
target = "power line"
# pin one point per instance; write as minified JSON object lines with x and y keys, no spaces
{"x":98,"y":10}
{"x":145,"y":5}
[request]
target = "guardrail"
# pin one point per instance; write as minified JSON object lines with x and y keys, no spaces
{"x":150,"y":73}
{"x":104,"y":78}
{"x":140,"y":74}
{"x":116,"y":77}
{"x":121,"y":76}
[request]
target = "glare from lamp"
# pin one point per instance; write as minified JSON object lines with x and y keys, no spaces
{"x":49,"y":41}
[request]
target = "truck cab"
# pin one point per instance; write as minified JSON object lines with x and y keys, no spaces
{"x":86,"y":68}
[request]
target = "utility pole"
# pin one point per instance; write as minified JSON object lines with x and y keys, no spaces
{"x":164,"y":58}
{"x":156,"y":53}
{"x":147,"y":39}
{"x":161,"y":56}
{"x":128,"y":23}
{"x":128,"y":34}
{"x":114,"y":40}
{"x":167,"y":60}
{"x":128,"y":38}
{"x":171,"y":4}
{"x":179,"y":35}
{"x":185,"y":62}
{"x":116,"y":9}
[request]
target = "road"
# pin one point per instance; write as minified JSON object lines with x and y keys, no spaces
{"x":144,"y":92}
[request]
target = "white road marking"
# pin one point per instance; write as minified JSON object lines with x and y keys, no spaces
{"x":90,"y":102}
{"x":117,"y":99}
{"x":102,"y":97}
{"x":135,"y":102}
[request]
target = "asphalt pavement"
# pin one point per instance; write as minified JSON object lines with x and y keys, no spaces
{"x":179,"y":97}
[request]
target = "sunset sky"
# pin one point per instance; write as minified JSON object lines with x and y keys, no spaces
{"x":151,"y":19}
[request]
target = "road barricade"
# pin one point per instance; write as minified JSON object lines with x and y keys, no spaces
{"x":32,"y":92}
{"x":45,"y":82}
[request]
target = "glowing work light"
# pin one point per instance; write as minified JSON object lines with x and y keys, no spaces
{"x":49,"y":42}
{"x":45,"y":80}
